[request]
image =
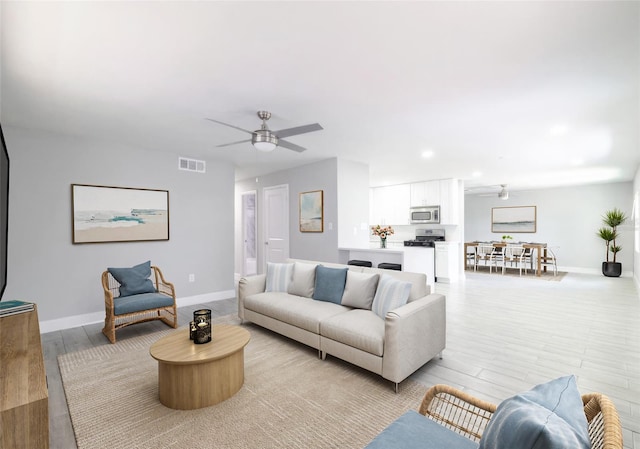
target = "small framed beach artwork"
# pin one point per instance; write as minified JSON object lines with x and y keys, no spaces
{"x":513,"y":219}
{"x":119,"y":214}
{"x":311,"y":211}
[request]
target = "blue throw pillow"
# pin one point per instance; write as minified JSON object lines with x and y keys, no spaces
{"x":134,"y":280}
{"x":390,"y":294}
{"x":549,"y":416}
{"x":278,"y":276}
{"x":329,"y":284}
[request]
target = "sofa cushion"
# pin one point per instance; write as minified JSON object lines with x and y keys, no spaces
{"x":415,"y":431}
{"x":390,"y":294}
{"x":140,"y":302}
{"x":304,"y":278}
{"x":359,"y":290}
{"x":358,"y":328}
{"x":419,"y":287}
{"x":278,"y":276}
{"x":304,"y":313}
{"x":329,"y":284}
{"x":134,"y":280}
{"x":549,"y":416}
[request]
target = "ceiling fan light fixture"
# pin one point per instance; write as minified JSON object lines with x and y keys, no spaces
{"x":264,"y":141}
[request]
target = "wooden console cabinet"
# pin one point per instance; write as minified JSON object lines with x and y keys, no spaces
{"x":24,"y":399}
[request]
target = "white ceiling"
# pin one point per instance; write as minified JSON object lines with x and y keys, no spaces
{"x":531,"y":94}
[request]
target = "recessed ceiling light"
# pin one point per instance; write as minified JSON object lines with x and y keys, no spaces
{"x":558,"y":130}
{"x":577,"y":161}
{"x":427,"y":154}
{"x":476,"y":174}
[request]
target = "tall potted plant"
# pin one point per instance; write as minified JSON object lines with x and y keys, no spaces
{"x":609,"y":233}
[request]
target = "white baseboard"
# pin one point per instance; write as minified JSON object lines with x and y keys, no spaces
{"x":98,"y":317}
{"x":71,"y":321}
{"x":207,"y":297}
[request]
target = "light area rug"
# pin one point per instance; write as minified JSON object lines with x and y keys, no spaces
{"x":513,"y":272}
{"x":290,"y":399}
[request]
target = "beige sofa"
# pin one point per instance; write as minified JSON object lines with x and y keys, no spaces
{"x":393,"y":347}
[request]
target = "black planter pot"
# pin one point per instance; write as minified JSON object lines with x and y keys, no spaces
{"x":612,"y":269}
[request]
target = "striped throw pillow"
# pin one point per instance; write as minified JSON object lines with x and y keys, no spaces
{"x":390,"y":294}
{"x":278,"y":276}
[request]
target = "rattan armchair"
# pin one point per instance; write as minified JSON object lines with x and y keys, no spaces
{"x":112,"y":322}
{"x":469,"y":416}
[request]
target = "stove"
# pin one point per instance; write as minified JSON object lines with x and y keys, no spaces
{"x":426,"y":238}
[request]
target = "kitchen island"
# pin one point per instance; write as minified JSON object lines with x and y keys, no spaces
{"x":414,"y":259}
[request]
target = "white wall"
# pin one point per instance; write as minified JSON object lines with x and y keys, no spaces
{"x":567,"y":217}
{"x":353,"y":204}
{"x":44,"y":265}
{"x":321,"y":246}
{"x":636,"y":228}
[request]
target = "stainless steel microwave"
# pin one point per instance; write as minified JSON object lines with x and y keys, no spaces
{"x":425,"y":214}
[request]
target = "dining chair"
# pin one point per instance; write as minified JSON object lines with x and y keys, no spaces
{"x":487,"y":253}
{"x":528,"y":258}
{"x":549,"y":259}
{"x":470,"y":256}
{"x":514,"y":254}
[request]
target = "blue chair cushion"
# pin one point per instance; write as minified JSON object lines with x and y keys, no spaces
{"x":549,"y":416}
{"x":138,"y":303}
{"x":415,"y":431}
{"x":330,"y":284}
{"x":134,"y":280}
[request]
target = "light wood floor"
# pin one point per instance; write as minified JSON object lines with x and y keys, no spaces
{"x":504,"y":335}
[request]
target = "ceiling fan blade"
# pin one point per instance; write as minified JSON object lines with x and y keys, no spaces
{"x":291,"y":146}
{"x":233,"y":143}
{"x":297,"y":130}
{"x":231,"y":126}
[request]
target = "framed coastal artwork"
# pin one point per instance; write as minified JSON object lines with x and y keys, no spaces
{"x":118,"y":214}
{"x":513,"y":219}
{"x":311,"y":211}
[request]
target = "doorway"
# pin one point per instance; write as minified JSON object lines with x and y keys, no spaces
{"x":249,"y":234}
{"x":276,"y":224}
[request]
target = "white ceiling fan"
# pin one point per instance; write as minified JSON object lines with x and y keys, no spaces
{"x":503,"y":194}
{"x":264,"y":139}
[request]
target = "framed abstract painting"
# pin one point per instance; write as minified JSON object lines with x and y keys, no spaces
{"x":514,"y":219}
{"x":311,"y":211}
{"x":119,"y":214}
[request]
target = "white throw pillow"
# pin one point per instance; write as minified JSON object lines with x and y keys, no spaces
{"x":304,"y":278}
{"x":390,"y":295}
{"x":360,"y":290}
{"x":278,"y":276}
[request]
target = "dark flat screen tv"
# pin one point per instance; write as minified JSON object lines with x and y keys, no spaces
{"x":4,"y":211}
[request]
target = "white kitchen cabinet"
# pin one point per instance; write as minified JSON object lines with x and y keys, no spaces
{"x":426,"y":193}
{"x":420,"y":260}
{"x":390,"y":205}
{"x":449,"y":199}
{"x":447,"y":261}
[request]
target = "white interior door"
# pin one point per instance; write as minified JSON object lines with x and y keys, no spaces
{"x":276,"y":223}
{"x":249,"y":234}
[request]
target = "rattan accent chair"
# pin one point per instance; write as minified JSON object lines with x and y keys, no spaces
{"x":468,"y":416}
{"x":113,"y":322}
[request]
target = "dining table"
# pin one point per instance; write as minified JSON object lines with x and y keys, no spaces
{"x":539,"y":248}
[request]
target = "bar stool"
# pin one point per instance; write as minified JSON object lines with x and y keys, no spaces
{"x":360,"y":263}
{"x":390,"y":266}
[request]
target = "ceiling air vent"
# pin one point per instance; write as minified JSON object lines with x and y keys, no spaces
{"x":192,"y":165}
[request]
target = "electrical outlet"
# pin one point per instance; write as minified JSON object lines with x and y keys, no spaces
{"x":192,"y":277}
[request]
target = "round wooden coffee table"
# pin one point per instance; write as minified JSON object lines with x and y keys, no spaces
{"x":193,"y":376}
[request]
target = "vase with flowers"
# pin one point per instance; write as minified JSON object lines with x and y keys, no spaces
{"x":383,"y":233}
